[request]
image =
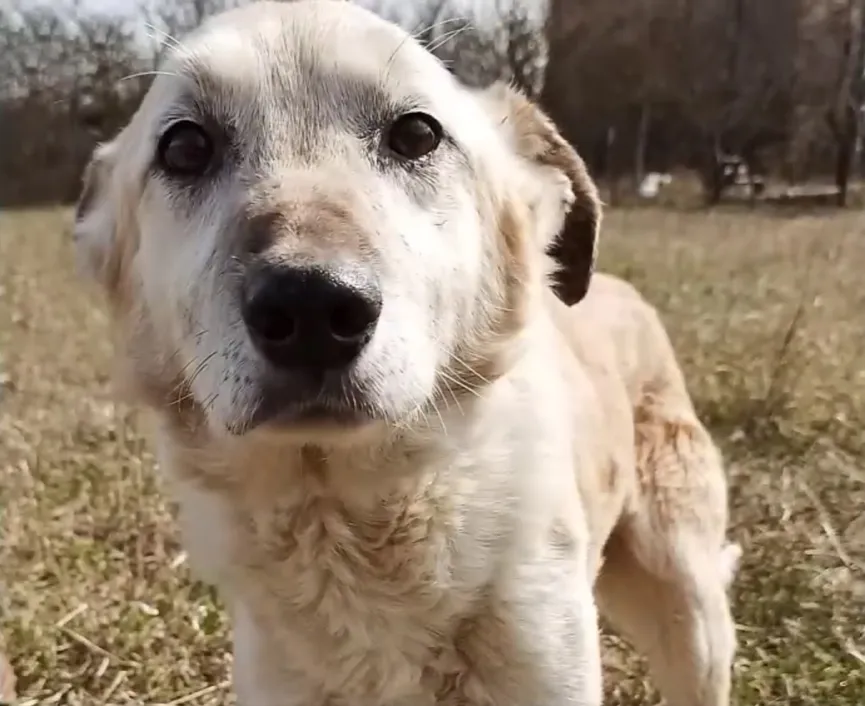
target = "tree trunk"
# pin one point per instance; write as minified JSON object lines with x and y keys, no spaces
{"x":611,"y":174}
{"x":712,"y":175}
{"x":842,"y":175}
{"x":846,"y":140}
{"x":845,"y":120}
{"x":642,"y":144}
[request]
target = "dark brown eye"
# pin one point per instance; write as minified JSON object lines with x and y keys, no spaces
{"x":185,"y":149}
{"x":414,"y":135}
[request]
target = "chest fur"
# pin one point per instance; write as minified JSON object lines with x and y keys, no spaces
{"x":355,"y":603}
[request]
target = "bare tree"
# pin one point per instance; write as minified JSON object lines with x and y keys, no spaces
{"x":677,"y":81}
{"x":845,"y":114}
{"x":170,"y":20}
{"x":62,"y":92}
{"x":636,"y":85}
{"x":829,"y":92}
{"x":509,"y":46}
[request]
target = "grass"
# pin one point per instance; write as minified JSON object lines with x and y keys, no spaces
{"x":767,"y":314}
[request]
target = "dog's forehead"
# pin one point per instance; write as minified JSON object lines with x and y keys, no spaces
{"x":313,"y":46}
{"x":294,"y":82}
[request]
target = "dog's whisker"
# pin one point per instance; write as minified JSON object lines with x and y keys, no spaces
{"x":155,"y":32}
{"x":208,"y":402}
{"x":459,"y":383}
{"x":418,"y":33}
{"x":202,"y":364}
{"x":471,"y":369}
{"x":389,"y":63}
{"x":439,"y":41}
{"x":166,"y":38}
{"x":447,"y":37}
{"x":185,"y":382}
{"x":438,"y":414}
{"x":441,"y":391}
{"x":180,"y":399}
{"x":144,"y":74}
{"x":191,"y":363}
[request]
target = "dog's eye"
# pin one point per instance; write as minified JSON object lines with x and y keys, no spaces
{"x":414,"y":135}
{"x":185,"y":149}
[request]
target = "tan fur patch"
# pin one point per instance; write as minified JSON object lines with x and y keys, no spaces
{"x":538,"y":140}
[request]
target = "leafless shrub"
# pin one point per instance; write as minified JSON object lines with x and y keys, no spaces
{"x":511,"y":47}
{"x":637,"y":85}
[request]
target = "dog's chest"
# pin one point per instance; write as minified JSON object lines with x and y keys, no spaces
{"x":358,"y":604}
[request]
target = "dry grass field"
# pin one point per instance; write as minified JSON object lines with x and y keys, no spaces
{"x":768,"y":317}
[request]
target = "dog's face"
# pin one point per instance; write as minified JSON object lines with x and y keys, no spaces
{"x":310,"y":226}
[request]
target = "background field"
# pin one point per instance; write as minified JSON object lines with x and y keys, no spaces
{"x":768,"y":317}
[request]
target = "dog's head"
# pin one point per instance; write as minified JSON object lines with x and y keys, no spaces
{"x":310,"y":226}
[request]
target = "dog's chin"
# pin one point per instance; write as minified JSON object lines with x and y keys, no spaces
{"x":310,"y":421}
{"x":334,"y":410}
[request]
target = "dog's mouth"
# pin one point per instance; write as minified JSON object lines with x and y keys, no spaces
{"x":300,"y":403}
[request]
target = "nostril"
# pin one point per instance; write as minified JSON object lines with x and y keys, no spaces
{"x":351,"y":320}
{"x":271,"y":323}
{"x":277,"y":330}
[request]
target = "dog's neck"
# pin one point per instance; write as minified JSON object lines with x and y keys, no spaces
{"x":385,"y":463}
{"x":344,"y":492}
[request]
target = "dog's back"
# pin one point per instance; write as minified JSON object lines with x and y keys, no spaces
{"x":620,"y":339}
{"x":662,"y":519}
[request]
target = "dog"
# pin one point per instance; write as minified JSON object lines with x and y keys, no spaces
{"x":406,"y":464}
{"x":7,"y":680}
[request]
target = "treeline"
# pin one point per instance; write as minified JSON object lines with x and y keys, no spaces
{"x":637,"y":85}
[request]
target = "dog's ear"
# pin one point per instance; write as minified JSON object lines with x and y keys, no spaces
{"x":561,"y":194}
{"x":97,"y":213}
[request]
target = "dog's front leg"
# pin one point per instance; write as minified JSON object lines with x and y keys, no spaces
{"x":535,"y":642}
{"x":260,"y":675}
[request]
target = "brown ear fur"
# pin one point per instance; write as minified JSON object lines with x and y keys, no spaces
{"x":95,"y":224}
{"x":575,"y":252}
{"x":104,"y":252}
{"x":573,"y":245}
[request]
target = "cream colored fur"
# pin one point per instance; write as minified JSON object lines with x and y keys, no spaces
{"x":516,"y":454}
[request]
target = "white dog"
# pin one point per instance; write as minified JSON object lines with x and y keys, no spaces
{"x":397,"y":454}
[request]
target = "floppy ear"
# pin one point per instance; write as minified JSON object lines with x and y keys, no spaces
{"x":561,"y":194}
{"x":97,"y":214}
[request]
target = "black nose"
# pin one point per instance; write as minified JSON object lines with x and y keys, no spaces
{"x":311,"y":317}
